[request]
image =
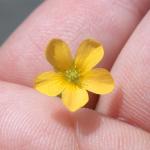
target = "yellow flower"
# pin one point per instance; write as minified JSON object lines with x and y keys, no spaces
{"x":72,"y":78}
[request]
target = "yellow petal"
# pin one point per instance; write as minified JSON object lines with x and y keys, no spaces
{"x":88,"y":55}
{"x":98,"y":81}
{"x":58,"y":54}
{"x":74,"y":98}
{"x":50,"y":83}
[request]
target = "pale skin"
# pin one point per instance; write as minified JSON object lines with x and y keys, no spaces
{"x":120,"y":120}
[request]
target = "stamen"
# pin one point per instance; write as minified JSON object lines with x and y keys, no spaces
{"x":72,"y":75}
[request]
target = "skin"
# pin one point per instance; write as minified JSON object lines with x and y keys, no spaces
{"x":120,"y":121}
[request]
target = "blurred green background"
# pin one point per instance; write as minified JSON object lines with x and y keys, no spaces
{"x":12,"y":13}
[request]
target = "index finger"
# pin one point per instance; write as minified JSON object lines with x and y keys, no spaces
{"x":21,"y":56}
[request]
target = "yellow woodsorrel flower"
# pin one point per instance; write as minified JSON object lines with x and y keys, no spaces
{"x":72,"y":78}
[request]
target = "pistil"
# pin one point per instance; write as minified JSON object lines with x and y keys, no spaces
{"x":72,"y":75}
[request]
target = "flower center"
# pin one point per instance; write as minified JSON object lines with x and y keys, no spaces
{"x":72,"y":75}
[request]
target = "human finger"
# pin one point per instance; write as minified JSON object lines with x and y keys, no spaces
{"x":31,"y":121}
{"x":131,"y":99}
{"x":22,"y":55}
